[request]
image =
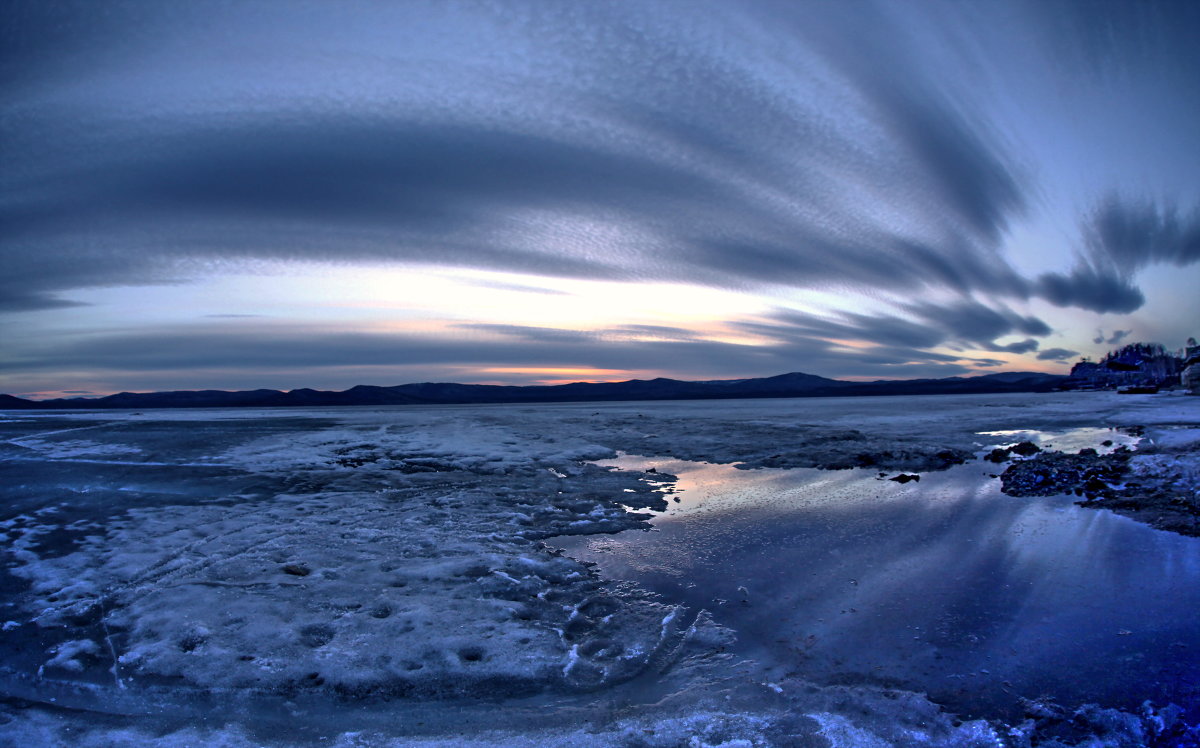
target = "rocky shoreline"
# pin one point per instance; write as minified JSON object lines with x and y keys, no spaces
{"x":1157,"y":485}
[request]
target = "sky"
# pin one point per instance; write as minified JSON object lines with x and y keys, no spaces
{"x":233,"y":195}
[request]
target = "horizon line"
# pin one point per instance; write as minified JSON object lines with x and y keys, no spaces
{"x":89,"y":396}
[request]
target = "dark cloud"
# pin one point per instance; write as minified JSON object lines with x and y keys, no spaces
{"x":965,"y":272}
{"x":895,"y":355}
{"x":1132,"y":235}
{"x":36,"y":273}
{"x":529,"y":334}
{"x":730,"y":182}
{"x":281,"y":348}
{"x":756,"y":146}
{"x":1113,"y":40}
{"x":953,"y":156}
{"x":294,"y":347}
{"x":18,"y":300}
{"x":963,"y":324}
{"x":971,"y":321}
{"x":973,"y":178}
{"x":326,"y":190}
{"x":1023,"y":346}
{"x":971,"y":175}
{"x":1088,"y":287}
{"x":1116,"y":337}
{"x":335,"y":188}
{"x":1120,"y":238}
{"x":881,"y":330}
{"x":1057,"y":354}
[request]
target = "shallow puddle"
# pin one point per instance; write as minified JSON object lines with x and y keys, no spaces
{"x":944,"y":586}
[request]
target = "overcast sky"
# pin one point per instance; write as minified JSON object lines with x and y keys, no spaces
{"x":290,"y":194}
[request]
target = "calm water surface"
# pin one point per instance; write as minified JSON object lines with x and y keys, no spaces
{"x":945,"y":586}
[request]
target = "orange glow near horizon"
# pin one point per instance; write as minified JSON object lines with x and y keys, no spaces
{"x":493,"y":309}
{"x":561,"y":375}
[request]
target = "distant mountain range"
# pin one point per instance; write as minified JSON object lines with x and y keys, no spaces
{"x":430,"y":393}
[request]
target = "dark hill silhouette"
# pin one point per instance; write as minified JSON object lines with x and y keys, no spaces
{"x":795,"y":384}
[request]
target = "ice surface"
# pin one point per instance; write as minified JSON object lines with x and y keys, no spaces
{"x":944,"y":586}
{"x":379,"y":576}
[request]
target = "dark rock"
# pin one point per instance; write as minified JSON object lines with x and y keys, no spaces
{"x":297,"y":570}
{"x":948,"y":457}
{"x":1026,"y":449}
{"x":1100,"y":481}
{"x":997,"y":455}
{"x":905,"y":478}
{"x":1056,"y":473}
{"x":1087,"y":452}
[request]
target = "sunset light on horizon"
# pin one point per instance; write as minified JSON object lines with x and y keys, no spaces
{"x":284,"y":195}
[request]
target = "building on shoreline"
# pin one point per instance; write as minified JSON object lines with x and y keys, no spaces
{"x":1190,"y":376}
{"x":1134,"y":365}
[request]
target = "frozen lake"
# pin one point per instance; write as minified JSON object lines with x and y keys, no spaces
{"x":340,"y":575}
{"x":944,"y":586}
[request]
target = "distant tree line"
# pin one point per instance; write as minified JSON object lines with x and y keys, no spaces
{"x":1133,"y":365}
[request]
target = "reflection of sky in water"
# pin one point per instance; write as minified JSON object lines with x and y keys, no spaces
{"x":945,"y":586}
{"x":1071,"y":440}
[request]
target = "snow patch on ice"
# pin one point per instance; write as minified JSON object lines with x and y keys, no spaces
{"x":842,"y":733}
{"x":67,"y":654}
